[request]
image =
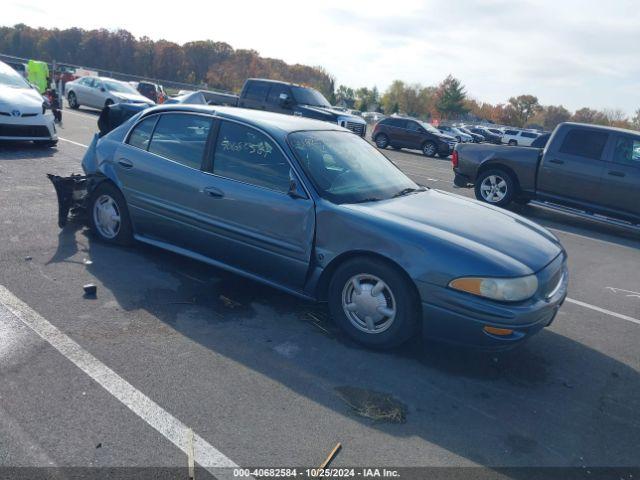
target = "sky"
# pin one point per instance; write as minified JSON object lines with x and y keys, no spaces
{"x":574,"y":53}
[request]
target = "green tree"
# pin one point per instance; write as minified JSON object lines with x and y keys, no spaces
{"x":450,"y":98}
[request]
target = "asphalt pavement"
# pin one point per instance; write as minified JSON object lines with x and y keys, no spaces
{"x":262,"y":379}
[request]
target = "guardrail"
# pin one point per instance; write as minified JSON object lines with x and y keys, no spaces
{"x":127,"y":77}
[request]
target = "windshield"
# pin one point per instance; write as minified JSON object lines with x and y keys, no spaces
{"x":347,"y":169}
{"x":11,"y":78}
{"x":118,"y":87}
{"x":430,"y":128}
{"x":309,"y":96}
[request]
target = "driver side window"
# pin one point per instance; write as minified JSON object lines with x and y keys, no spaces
{"x":244,"y":154}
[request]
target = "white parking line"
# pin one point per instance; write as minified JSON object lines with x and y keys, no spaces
{"x":75,"y":143}
{"x":170,"y":427}
{"x":605,"y":311}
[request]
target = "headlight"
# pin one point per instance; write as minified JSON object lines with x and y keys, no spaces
{"x":501,"y":289}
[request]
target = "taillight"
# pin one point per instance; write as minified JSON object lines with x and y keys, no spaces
{"x":454,"y":158}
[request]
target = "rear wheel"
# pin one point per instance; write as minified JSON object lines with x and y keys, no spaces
{"x":73,"y":101}
{"x":513,"y":143}
{"x":373,"y":303}
{"x":382,"y":140}
{"x":429,"y":149}
{"x":109,"y":215}
{"x":496,"y":187}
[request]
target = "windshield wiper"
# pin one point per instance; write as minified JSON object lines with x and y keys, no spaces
{"x":407,"y":191}
{"x":365,"y":200}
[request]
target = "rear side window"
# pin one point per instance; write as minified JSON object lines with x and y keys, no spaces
{"x":245,"y":154}
{"x":584,"y":143}
{"x":256,"y":91}
{"x":511,"y":132}
{"x":627,"y":151}
{"x":141,"y":134}
{"x":181,"y":137}
{"x":413,"y":126}
{"x":529,"y":135}
{"x":397,"y":122}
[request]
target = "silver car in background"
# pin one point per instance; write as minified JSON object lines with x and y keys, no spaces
{"x":99,"y":92}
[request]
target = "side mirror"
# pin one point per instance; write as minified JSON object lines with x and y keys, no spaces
{"x":294,"y":191}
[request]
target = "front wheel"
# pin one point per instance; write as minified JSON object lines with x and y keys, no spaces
{"x":429,"y":149}
{"x":496,"y":187}
{"x":373,"y":303}
{"x":513,"y":143}
{"x":109,"y":215}
{"x":73,"y":101}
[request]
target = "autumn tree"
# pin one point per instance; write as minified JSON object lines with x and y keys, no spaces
{"x":522,"y":108}
{"x":450,"y":98}
{"x":550,"y":116}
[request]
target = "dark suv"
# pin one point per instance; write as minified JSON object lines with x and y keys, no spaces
{"x":399,"y":132}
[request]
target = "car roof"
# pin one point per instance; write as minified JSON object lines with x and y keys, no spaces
{"x":601,"y":127}
{"x":274,"y":123}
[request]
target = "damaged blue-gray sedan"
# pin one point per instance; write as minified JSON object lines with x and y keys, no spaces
{"x":312,"y":209}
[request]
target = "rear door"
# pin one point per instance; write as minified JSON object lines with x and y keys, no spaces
{"x":252,"y":221}
{"x":620,"y":189}
{"x":414,"y":134}
{"x":159,"y":168}
{"x":573,"y":165}
{"x":397,"y":128}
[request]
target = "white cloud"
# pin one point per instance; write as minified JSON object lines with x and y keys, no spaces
{"x":572,"y":52}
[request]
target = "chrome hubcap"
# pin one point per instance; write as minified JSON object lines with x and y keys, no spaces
{"x":368,"y":303}
{"x":493,"y":188}
{"x":106,"y":216}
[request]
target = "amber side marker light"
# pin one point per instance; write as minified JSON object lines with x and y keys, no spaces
{"x":502,"y":332}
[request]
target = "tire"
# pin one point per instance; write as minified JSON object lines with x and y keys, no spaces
{"x":397,"y":296}
{"x":513,"y":143}
{"x":459,"y":139}
{"x":429,"y":149}
{"x":73,"y":101}
{"x":109,"y":196}
{"x":46,"y":143}
{"x":382,"y":140}
{"x":496,"y":187}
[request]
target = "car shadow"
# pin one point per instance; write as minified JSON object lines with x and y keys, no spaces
{"x":552,"y":402}
{"x":24,"y":151}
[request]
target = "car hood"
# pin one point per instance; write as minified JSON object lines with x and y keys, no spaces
{"x":332,"y":112}
{"x":26,"y":100}
{"x":498,"y":235}
{"x":133,"y":97}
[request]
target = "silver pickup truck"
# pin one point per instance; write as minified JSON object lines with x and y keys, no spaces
{"x":586,"y":168}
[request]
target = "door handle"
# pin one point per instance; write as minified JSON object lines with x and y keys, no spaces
{"x":616,"y":173}
{"x":124,"y":163}
{"x":213,"y":192}
{"x":555,"y":160}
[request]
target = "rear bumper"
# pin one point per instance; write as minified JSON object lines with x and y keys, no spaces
{"x":460,"y":180}
{"x":460,"y":318}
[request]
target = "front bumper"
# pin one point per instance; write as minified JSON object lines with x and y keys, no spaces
{"x":460,"y":318}
{"x":26,"y":128}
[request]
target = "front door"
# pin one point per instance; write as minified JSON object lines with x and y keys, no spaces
{"x":621,"y":177}
{"x":572,"y":167}
{"x":256,"y":225}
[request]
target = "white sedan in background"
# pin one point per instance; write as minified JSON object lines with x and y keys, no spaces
{"x":99,"y":92}
{"x":24,"y":113}
{"x":522,"y":138}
